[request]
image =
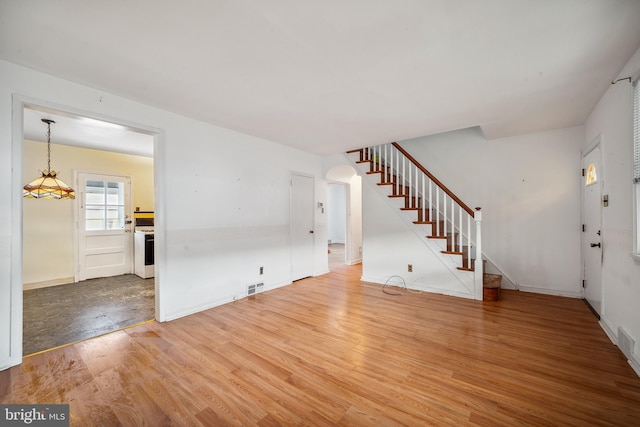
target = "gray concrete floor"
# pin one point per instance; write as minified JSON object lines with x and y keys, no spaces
{"x":63,"y":314}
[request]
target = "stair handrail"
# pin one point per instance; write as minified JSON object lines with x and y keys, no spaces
{"x":435,"y":180}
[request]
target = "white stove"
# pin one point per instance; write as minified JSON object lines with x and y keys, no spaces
{"x":143,"y":249}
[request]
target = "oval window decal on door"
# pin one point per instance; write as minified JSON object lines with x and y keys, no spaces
{"x":592,"y":177}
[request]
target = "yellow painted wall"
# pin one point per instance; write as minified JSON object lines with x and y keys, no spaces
{"x":48,"y":229}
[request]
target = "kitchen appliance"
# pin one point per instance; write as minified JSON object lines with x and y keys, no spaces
{"x":143,"y":250}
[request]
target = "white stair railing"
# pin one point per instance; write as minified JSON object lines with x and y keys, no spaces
{"x":449,"y":217}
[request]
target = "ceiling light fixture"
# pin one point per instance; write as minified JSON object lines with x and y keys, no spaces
{"x":48,"y":186}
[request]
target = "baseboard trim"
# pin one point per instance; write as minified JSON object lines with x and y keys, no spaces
{"x":422,"y":288}
{"x":545,"y":291}
{"x":48,"y":283}
{"x":635,"y":364}
{"x":609,"y":331}
{"x":198,"y":309}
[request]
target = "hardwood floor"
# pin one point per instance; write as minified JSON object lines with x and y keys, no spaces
{"x":331,"y":350}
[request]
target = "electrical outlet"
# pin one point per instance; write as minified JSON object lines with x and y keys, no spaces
{"x":410,"y":268}
{"x":261,"y":270}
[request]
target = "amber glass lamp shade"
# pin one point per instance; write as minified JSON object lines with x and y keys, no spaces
{"x":48,"y":186}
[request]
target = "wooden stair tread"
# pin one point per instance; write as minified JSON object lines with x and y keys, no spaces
{"x":452,"y":252}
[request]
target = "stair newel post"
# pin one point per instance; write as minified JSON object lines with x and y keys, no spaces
{"x":478,"y":267}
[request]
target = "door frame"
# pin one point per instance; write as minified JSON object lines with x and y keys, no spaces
{"x":77,"y":222}
{"x":19,"y":103}
{"x":595,"y":143}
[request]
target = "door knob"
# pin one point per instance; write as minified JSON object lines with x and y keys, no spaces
{"x":593,"y":245}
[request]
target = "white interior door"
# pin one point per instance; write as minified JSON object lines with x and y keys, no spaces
{"x":302,"y":230}
{"x":592,"y":224}
{"x":105,"y":241}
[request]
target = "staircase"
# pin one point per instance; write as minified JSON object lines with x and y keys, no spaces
{"x":439,"y":212}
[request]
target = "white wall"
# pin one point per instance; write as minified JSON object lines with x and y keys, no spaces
{"x":48,"y":224}
{"x":222,"y":202}
{"x":613,"y":120}
{"x":528,"y":189}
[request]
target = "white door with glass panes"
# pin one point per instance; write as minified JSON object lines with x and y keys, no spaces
{"x":105,"y":240}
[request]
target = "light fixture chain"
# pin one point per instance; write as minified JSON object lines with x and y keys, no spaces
{"x":48,"y":147}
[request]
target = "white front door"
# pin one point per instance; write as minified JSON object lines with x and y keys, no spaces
{"x":592,"y":228}
{"x":302,"y":230}
{"x":105,"y":240}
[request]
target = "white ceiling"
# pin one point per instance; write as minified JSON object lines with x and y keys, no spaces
{"x":85,"y":132}
{"x":329,"y":75}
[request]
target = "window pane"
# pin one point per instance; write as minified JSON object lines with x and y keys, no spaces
{"x":115,"y":193}
{"x":94,"y":192}
{"x":592,"y":177}
{"x":115,"y":218}
{"x":94,"y":218}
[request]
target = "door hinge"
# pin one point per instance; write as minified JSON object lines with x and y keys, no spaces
{"x":584,"y":228}
{"x":582,"y":171}
{"x":584,"y":284}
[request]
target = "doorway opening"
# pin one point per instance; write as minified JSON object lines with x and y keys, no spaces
{"x":344,"y":216}
{"x":61,"y":303}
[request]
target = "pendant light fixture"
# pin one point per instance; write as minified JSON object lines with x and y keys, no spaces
{"x":48,"y":186}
